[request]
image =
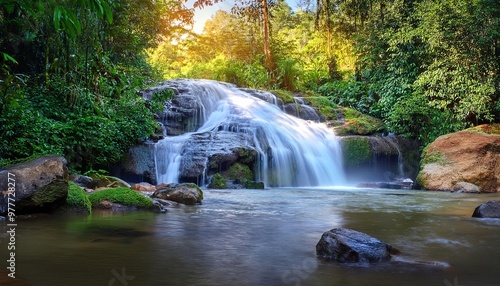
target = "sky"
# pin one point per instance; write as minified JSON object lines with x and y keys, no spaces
{"x":202,"y":15}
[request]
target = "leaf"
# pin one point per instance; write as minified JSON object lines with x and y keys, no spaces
{"x":107,"y":12}
{"x":7,"y":57}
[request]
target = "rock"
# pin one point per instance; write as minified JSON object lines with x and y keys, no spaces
{"x":138,"y":165}
{"x":40,"y":185}
{"x":143,"y":187}
{"x":107,"y":205}
{"x":464,"y":187}
{"x":347,"y":245}
{"x":80,"y":180}
{"x":214,"y":152}
{"x":490,"y":209}
{"x":187,"y":193}
{"x":472,"y":155}
{"x":109,"y":182}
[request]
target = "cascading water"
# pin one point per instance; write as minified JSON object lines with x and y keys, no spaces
{"x":291,"y":151}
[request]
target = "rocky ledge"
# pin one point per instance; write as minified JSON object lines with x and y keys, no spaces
{"x":470,"y":156}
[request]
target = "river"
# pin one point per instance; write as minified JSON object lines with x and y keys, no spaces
{"x":262,"y":237}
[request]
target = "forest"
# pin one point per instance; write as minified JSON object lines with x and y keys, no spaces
{"x":70,"y":70}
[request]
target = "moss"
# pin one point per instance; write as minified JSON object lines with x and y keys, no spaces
{"x":435,"y":157}
{"x":284,"y":95}
{"x":50,"y":193}
{"x":356,"y":151}
{"x":195,"y":186}
{"x":357,"y":123}
{"x":490,"y":129}
{"x":121,"y":195}
{"x":327,"y":108}
{"x":217,"y":182}
{"x":254,"y":185}
{"x":239,"y":172}
{"x":78,"y":198}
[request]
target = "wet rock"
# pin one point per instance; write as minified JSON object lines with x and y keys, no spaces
{"x":80,"y":180}
{"x":40,"y":185}
{"x":471,"y":155}
{"x":347,"y":245}
{"x":490,"y":209}
{"x":138,"y":165}
{"x":464,"y":187}
{"x":187,"y":193}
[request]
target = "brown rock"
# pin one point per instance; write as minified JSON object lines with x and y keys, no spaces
{"x":144,"y":187}
{"x":471,"y":156}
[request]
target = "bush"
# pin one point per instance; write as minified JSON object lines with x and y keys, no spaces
{"x":217,"y":182}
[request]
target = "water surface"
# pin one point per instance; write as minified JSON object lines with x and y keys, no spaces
{"x":256,"y":237}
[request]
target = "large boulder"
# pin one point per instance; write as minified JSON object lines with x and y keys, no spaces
{"x":471,"y":156}
{"x":187,"y":193}
{"x":347,"y":245}
{"x":490,"y":209}
{"x":40,"y":185}
{"x":138,"y":165}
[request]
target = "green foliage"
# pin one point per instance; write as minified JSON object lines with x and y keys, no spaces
{"x":78,"y":198}
{"x":356,"y":95}
{"x":122,"y":195}
{"x":356,"y":151}
{"x":254,"y":185}
{"x":217,"y":182}
{"x":239,"y":172}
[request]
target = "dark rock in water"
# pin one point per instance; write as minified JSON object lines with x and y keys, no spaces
{"x":490,"y":209}
{"x":188,"y":193}
{"x":398,"y":184}
{"x":40,"y":185}
{"x":347,"y":245}
{"x":464,"y":187}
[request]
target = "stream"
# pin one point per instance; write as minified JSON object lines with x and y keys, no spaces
{"x":256,"y":237}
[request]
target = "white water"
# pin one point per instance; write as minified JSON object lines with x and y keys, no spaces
{"x":292,"y":151}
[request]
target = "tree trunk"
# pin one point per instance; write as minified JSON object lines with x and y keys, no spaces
{"x":267,"y":46}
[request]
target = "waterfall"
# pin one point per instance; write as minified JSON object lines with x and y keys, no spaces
{"x":291,"y":151}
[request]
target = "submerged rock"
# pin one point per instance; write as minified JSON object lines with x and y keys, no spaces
{"x":472,"y":156}
{"x":464,"y":187}
{"x":347,"y":245}
{"x":188,"y":193}
{"x":40,"y":185}
{"x":490,"y":209}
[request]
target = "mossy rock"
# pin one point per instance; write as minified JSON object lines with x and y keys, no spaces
{"x":239,"y":172}
{"x":491,"y":129}
{"x":324,"y":106}
{"x":254,"y":185}
{"x":356,"y":150}
{"x":77,"y":200}
{"x":284,"y":95}
{"x":357,"y":123}
{"x":217,"y":182}
{"x":124,"y":196}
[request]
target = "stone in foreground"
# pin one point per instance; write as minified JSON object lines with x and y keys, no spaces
{"x":187,"y":193}
{"x":490,"y":209}
{"x":347,"y":245}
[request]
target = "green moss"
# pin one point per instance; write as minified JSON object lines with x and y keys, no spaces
{"x":254,"y":185}
{"x":239,"y":172}
{"x":195,"y":186}
{"x":357,"y":123}
{"x":356,"y":151}
{"x":217,"y":182}
{"x":121,"y":195}
{"x":490,"y":129}
{"x":50,"y":193}
{"x":78,"y":198}
{"x":284,"y":95}
{"x":435,"y":157}
{"x":325,"y":106}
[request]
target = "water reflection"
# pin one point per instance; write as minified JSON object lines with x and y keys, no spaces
{"x":255,"y":237}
